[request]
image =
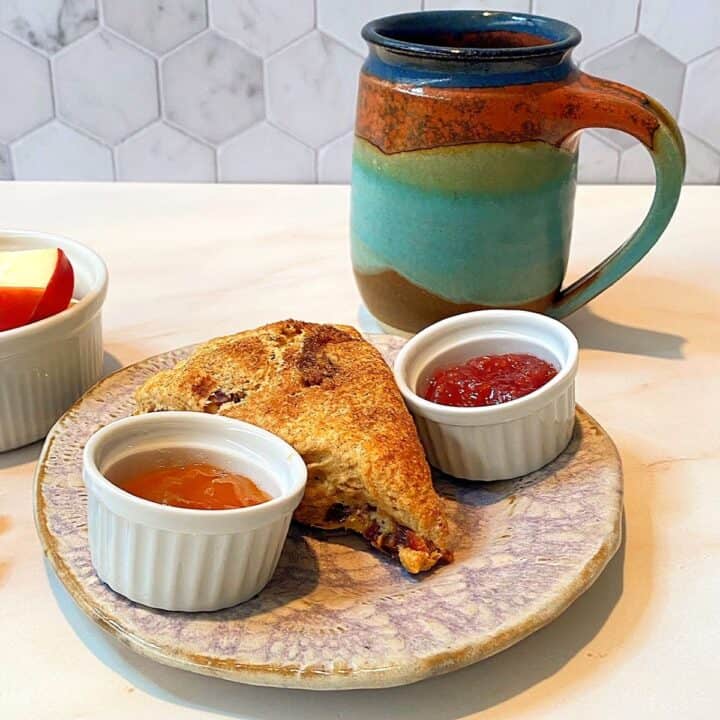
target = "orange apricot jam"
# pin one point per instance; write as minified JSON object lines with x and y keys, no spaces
{"x":197,"y":485}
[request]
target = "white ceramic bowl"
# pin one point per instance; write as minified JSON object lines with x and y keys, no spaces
{"x":496,"y":442}
{"x":178,"y":558}
{"x":47,"y":365}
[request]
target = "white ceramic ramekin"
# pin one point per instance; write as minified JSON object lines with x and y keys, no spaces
{"x":183,"y":559}
{"x":47,"y":365}
{"x":496,"y":442}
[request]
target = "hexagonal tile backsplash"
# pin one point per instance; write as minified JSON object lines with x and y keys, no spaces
{"x":264,"y":90}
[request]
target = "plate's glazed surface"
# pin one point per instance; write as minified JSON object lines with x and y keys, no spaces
{"x":337,"y":615}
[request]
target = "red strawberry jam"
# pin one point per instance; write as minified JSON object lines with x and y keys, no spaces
{"x":489,"y":380}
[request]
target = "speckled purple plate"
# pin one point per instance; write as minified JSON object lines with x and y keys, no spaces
{"x":337,"y":615}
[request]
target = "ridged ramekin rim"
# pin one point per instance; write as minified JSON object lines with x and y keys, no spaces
{"x":490,"y":414}
{"x":274,"y":508}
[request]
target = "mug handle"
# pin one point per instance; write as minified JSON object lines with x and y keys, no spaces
{"x":594,"y":102}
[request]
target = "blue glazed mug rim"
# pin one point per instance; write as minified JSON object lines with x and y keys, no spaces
{"x":561,"y":35}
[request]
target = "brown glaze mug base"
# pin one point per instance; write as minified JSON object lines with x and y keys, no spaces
{"x":399,"y":304}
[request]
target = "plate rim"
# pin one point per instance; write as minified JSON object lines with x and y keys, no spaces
{"x":312,"y":677}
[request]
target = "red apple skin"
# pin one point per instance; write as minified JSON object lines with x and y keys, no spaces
{"x":17,"y":305}
{"x":59,"y":290}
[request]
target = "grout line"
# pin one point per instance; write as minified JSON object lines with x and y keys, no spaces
{"x":191,"y":134}
{"x":183,"y":43}
{"x":216,"y":164}
{"x":292,"y":43}
{"x":53,"y":87}
{"x":10,"y":162}
{"x":135,"y":133}
{"x":266,"y":88}
{"x":606,"y":140}
{"x":343,"y":45}
{"x":11,"y":143}
{"x":159,"y":86}
{"x":206,"y":3}
{"x":114,"y":159}
{"x":296,"y":139}
{"x":83,"y":131}
{"x":97,"y":30}
{"x":702,"y":56}
{"x":106,"y":29}
{"x":226,"y":36}
{"x":637,"y":16}
{"x":618,"y":161}
{"x":201,"y":141}
{"x":704,"y":143}
{"x":30,"y":131}
{"x":272,"y":123}
{"x":683,"y":88}
{"x":603,"y":50}
{"x":289,"y":42}
{"x":34,"y":48}
{"x":337,"y":137}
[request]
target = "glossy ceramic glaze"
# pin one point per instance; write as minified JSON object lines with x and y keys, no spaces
{"x":465,"y":164}
{"x":335,"y":614}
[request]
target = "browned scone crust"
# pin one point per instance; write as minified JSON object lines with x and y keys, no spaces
{"x":330,"y":394}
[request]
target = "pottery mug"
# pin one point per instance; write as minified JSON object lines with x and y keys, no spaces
{"x":465,"y":165}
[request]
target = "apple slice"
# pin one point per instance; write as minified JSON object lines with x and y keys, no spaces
{"x":34,"y":284}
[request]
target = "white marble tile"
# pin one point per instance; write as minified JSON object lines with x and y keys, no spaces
{"x":685,"y":28}
{"x":505,"y":5}
{"x":106,"y":86}
{"x":601,"y":23}
{"x":598,"y":160}
{"x":267,"y":155}
{"x":703,"y":162}
{"x":263,"y":26}
{"x":636,"y":166}
{"x":344,"y":20}
{"x":312,"y":86}
{"x":701,"y":100}
{"x":5,"y":165}
{"x":161,"y":153}
{"x":157,"y":25}
{"x":643,"y":65}
{"x":213,"y":87}
{"x":57,"y":152}
{"x":48,"y":24}
{"x":24,"y":88}
{"x":335,"y":160}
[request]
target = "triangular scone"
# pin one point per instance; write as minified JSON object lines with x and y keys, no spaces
{"x":330,"y":394}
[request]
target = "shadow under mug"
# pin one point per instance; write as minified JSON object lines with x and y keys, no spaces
{"x":465,"y":166}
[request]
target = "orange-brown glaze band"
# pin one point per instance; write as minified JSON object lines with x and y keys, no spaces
{"x":397,"y":118}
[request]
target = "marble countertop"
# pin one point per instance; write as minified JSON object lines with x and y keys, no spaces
{"x":192,"y":261}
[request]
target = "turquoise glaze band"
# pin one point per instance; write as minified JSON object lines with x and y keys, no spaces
{"x":471,"y":217}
